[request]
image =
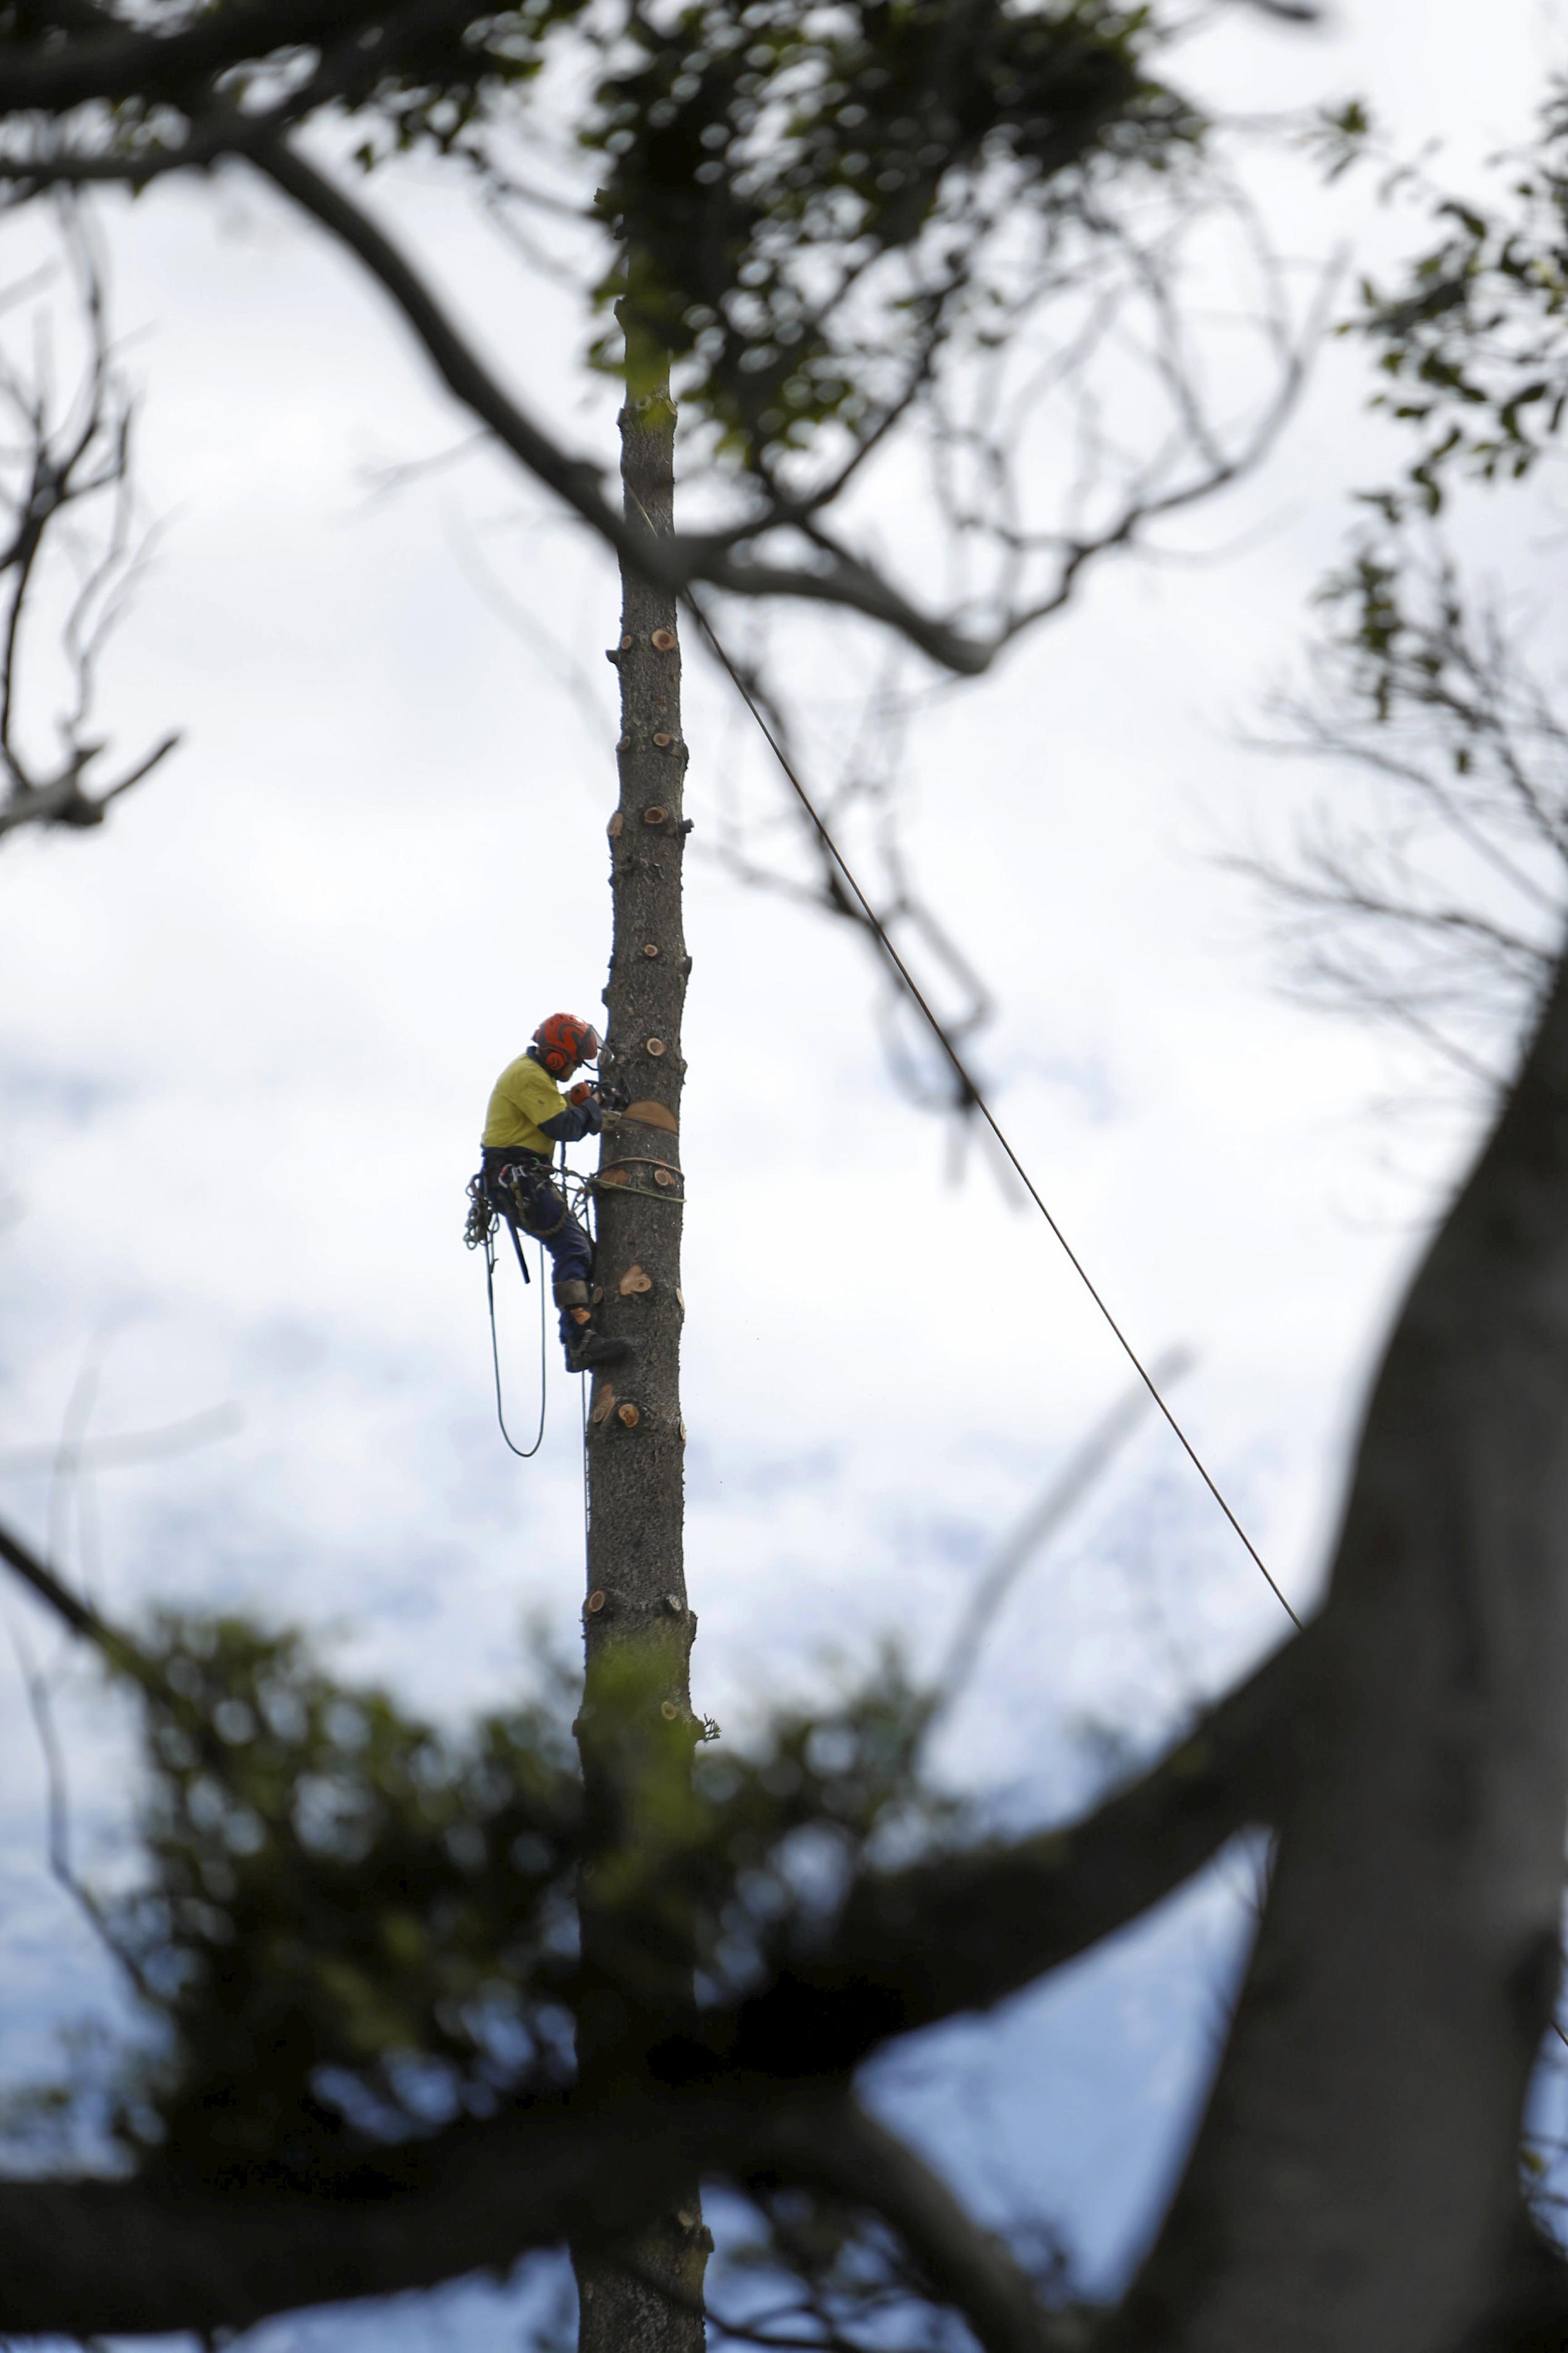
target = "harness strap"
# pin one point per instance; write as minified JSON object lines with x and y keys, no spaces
{"x":536,"y":1232}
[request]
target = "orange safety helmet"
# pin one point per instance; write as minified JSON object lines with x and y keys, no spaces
{"x":563,"y":1041}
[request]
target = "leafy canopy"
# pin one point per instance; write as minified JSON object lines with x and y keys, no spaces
{"x":350,"y":1926}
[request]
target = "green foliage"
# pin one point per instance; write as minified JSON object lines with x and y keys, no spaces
{"x":352,"y":1924}
{"x":805,"y":201}
{"x":436,"y":81}
{"x":344,"y":1907}
{"x":1338,"y":137}
{"x":808,"y":203}
{"x":1473,"y":344}
{"x":768,"y":164}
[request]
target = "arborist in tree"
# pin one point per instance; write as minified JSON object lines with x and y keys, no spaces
{"x":528,"y":1117}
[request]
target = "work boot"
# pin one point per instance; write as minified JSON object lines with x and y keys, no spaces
{"x":587,"y":1351}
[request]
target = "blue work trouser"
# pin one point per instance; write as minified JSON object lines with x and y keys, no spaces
{"x":532,"y":1205}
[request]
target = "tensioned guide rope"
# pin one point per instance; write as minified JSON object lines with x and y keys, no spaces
{"x":972,"y":1093}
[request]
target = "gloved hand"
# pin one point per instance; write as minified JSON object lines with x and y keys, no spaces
{"x":584,"y":1100}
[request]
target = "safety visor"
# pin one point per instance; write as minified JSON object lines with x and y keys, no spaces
{"x":588,"y":1047}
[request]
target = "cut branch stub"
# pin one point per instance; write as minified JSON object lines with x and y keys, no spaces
{"x":650,"y":948}
{"x":603,"y":1403}
{"x":663,"y":641}
{"x":654,"y":1046}
{"x":652,"y":1115}
{"x":596,"y":1602}
{"x":635,"y":1279}
{"x":664,"y":1177}
{"x":669,"y":1710}
{"x":655,"y":814}
{"x":614,"y":827}
{"x":628,"y":1417}
{"x":663,"y":741}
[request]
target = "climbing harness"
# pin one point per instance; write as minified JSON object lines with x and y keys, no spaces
{"x":522,"y":1185}
{"x":479,"y":1233}
{"x":519,"y":1183}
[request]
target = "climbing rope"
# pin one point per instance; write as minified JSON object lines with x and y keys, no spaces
{"x":479,"y":1234}
{"x":969,"y":1092}
{"x":523,"y":1453}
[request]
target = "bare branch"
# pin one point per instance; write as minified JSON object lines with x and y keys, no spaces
{"x":42,"y":1581}
{"x":132,"y":1446}
{"x":894,"y":315}
{"x":74,"y":463}
{"x":677,"y":559}
{"x":846,"y":2152}
{"x":118,"y":1650}
{"x":58,"y":1805}
{"x":1060,"y":1498}
{"x":1438,"y":907}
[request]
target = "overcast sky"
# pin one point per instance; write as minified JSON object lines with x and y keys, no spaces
{"x":248,"y":1031}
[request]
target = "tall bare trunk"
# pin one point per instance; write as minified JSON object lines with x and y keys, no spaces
{"x":637,"y":1698}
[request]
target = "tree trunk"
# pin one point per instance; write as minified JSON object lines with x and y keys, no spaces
{"x":637,"y":1708}
{"x":1355,"y":2182}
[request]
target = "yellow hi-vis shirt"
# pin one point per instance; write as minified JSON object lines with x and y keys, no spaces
{"x":522,"y":1095}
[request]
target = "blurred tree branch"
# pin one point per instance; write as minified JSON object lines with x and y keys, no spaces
{"x":832,"y":224}
{"x":1436,"y":898}
{"x":734,"y":2089}
{"x":64,"y":465}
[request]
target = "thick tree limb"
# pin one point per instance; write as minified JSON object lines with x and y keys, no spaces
{"x":117,"y":1649}
{"x":912,"y":1947}
{"x":1354,"y":2181}
{"x":846,"y":2152}
{"x":132,"y":2259}
{"x":121,"y":62}
{"x":1530,"y":2313}
{"x":41,"y":1581}
{"x":964,"y":1932}
{"x":145,"y":2258}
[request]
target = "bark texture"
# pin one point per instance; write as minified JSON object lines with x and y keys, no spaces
{"x":639,"y":1628}
{"x":1354,"y":2182}
{"x":635,"y":1435}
